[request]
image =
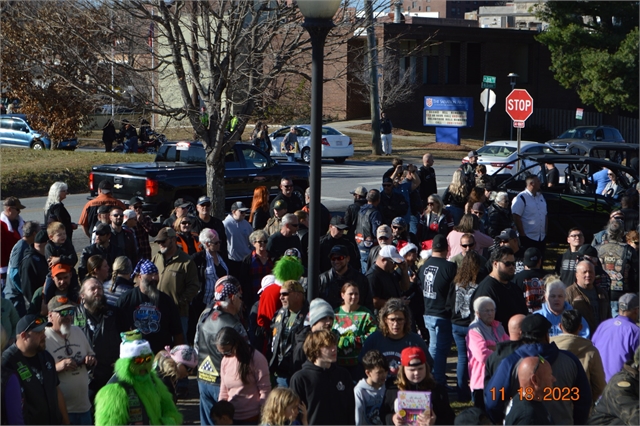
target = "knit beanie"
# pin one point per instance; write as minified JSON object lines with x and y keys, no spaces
{"x":318,"y":309}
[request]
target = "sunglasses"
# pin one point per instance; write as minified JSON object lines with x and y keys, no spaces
{"x":260,"y":242}
{"x":540,"y":361}
{"x":467,"y":245}
{"x":508,"y":264}
{"x":142,"y":359}
{"x":36,"y":322}
{"x":227,"y":353}
{"x":285,"y":293}
{"x":67,"y":312}
{"x":67,"y":347}
{"x":397,"y":227}
{"x":430,"y":204}
{"x":185,"y":223}
{"x":340,"y":258}
{"x":287,"y":186}
{"x":383,"y":238}
{"x":117,"y":215}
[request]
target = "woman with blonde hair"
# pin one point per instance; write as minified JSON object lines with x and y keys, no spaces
{"x":186,"y":239}
{"x":259,"y":208}
{"x":455,"y":196}
{"x":120,"y":281}
{"x":435,"y":219}
{"x":283,"y":407}
{"x":55,"y":211}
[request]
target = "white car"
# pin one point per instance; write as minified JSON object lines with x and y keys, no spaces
{"x":500,"y":157}
{"x":335,"y":145}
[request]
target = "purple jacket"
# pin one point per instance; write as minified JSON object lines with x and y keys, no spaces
{"x":616,"y":339}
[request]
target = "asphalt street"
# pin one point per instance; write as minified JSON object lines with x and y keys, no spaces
{"x":337,"y":182}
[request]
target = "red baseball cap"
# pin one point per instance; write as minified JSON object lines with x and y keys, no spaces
{"x":58,"y":268}
{"x":410,"y":355}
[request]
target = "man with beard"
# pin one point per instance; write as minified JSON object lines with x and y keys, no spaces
{"x":99,"y":322}
{"x":293,"y":201}
{"x":72,"y":355}
{"x":149,"y":310}
{"x":60,"y":279}
{"x":178,"y":274}
{"x":223,"y":312}
{"x":123,"y":238}
{"x":500,"y":288}
{"x":341,"y":272}
{"x":38,"y":400}
{"x":102,"y":247}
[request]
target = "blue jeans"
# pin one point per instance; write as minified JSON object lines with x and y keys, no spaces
{"x":462,"y":368}
{"x":282,"y":382}
{"x":456,"y":212}
{"x":614,"y":310}
{"x":209,"y":394}
{"x":413,"y":224}
{"x":81,"y":418}
{"x":364,"y":258}
{"x":184,"y":322}
{"x":440,"y":338}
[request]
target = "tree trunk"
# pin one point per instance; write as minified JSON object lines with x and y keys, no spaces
{"x":215,"y":183}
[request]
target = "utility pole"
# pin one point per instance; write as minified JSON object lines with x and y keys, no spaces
{"x":372,"y":56}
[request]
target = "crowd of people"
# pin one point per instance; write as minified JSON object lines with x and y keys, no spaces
{"x":111,"y":336}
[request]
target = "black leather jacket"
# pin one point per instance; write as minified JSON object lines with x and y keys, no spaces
{"x":281,"y":361}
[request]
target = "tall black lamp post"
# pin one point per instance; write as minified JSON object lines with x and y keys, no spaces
{"x":318,"y":21}
{"x":513,"y":78}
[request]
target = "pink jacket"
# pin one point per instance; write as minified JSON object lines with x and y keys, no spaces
{"x":246,"y":399}
{"x":478,"y":350}
{"x":482,"y":241}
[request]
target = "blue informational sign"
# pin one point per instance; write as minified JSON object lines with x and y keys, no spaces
{"x":445,"y":111}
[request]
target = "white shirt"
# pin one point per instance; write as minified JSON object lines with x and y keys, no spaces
{"x":73,"y":384}
{"x":533,"y":213}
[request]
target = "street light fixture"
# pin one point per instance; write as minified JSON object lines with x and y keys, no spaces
{"x":318,"y":21}
{"x":513,"y":77}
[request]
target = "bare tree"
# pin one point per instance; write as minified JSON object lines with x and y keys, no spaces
{"x":220,"y":56}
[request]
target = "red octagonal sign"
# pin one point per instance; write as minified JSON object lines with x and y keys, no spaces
{"x":519,"y":105}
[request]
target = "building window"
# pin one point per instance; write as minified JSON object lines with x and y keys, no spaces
{"x":430,"y":65}
{"x":419,"y":8}
{"x":428,"y":8}
{"x":413,"y":4}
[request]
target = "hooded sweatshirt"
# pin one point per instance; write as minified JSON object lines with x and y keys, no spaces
{"x":556,"y":319}
{"x":328,"y":394}
{"x":568,"y":373}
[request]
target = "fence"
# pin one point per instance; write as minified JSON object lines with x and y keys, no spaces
{"x":557,"y":121}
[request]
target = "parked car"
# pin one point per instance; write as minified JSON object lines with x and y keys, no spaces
{"x":16,"y":131}
{"x":502,"y":157}
{"x":335,"y":144}
{"x":574,"y":203}
{"x":586,"y":133}
{"x":179,"y":170}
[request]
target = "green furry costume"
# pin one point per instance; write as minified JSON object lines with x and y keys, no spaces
{"x":112,"y":401}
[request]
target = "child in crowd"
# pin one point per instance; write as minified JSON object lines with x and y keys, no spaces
{"x":174,"y":364}
{"x":222,"y":413}
{"x":60,"y":250}
{"x":369,"y":392}
{"x":283,"y":407}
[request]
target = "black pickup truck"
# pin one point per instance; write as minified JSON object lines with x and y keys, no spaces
{"x":179,"y":170}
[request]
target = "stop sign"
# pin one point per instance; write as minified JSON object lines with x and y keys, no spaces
{"x":519,"y":105}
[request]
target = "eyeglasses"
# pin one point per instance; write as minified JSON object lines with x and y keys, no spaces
{"x":610,"y":174}
{"x":260,"y":242}
{"x":540,"y":361}
{"x":337,"y":258}
{"x":142,"y":359}
{"x":67,"y":312}
{"x":397,"y":227}
{"x":287,"y":186}
{"x":430,"y":204}
{"x":383,"y":238}
{"x":67,"y":347}
{"x":117,"y":215}
{"x":575,"y":235}
{"x":285,"y":294}
{"x":227,"y":353}
{"x":467,"y":245}
{"x":508,"y":264}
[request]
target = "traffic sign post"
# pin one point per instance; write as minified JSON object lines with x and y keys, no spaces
{"x":487,"y":99}
{"x":519,"y":106}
